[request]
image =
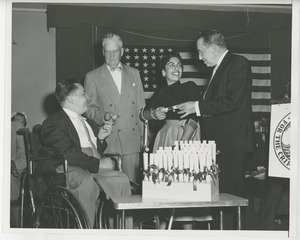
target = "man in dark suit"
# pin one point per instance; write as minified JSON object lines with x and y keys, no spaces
{"x":225,"y":109}
{"x":82,"y":142}
{"x":117,"y":89}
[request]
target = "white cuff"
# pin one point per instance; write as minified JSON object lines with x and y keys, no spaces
{"x":197,"y":109}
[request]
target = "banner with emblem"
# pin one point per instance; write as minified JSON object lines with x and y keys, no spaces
{"x":280,"y":141}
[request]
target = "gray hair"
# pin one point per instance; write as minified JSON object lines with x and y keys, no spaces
{"x":112,"y":36}
{"x":212,"y":36}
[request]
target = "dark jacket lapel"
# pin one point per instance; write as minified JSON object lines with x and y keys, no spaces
{"x":70,"y":126}
{"x":219,"y":73}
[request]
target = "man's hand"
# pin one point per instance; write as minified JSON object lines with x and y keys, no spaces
{"x":186,"y":108}
{"x":105,"y":130}
{"x":106,"y":163}
{"x":110,"y":117}
{"x":262,"y":175}
{"x":159,"y":113}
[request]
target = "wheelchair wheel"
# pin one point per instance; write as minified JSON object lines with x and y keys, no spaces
{"x":102,"y":216}
{"x":59,"y":208}
{"x":26,"y":208}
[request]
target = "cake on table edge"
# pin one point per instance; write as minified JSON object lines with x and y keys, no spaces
{"x":187,"y":171}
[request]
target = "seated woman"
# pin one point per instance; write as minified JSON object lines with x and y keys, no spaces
{"x":162,"y":105}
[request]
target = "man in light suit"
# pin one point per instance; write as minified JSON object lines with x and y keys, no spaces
{"x":117,"y":89}
{"x":225,"y":109}
{"x":82,"y":141}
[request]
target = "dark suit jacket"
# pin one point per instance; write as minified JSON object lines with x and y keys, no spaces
{"x":59,"y":136}
{"x":226,"y":110}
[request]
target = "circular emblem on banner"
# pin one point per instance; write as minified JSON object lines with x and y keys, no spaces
{"x":282,"y":141}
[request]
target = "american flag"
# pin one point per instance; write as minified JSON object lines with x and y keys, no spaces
{"x":147,"y":58}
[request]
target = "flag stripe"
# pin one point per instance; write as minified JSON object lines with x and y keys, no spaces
{"x":261,"y":82}
{"x":260,"y":63}
{"x":260,"y":70}
{"x":256,"y":57}
{"x":261,"y":95}
{"x":261,"y":108}
{"x":146,"y":60}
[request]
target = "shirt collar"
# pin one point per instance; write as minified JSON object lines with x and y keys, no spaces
{"x":221,"y":58}
{"x":119,"y":67}
{"x":72,"y":114}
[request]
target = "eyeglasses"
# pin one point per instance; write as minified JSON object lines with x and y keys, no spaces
{"x":112,"y":53}
{"x":202,"y":53}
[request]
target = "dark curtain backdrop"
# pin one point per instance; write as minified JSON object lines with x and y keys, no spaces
{"x":80,"y":29}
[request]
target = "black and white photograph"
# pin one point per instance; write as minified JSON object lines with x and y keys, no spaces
{"x":140,"y":119}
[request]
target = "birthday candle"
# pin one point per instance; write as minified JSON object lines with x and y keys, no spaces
{"x":159,"y":160}
{"x":164,"y":160}
{"x":180,"y":160}
{"x":146,"y":160}
{"x":209,"y":158}
{"x":155,"y":159}
{"x":202,"y":161}
{"x":169,"y":160}
{"x":213,"y":143}
{"x":151,"y":159}
{"x":186,"y":160}
{"x":175,"y":159}
{"x":196,"y":162}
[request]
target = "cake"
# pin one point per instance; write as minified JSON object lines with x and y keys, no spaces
{"x":187,"y":171}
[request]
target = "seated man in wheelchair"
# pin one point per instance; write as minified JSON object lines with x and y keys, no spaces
{"x":82,"y":142}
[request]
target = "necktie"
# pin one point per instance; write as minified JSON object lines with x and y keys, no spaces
{"x":94,"y":148}
{"x":213,"y":73}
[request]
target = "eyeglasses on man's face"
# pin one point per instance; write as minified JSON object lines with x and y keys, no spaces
{"x":112,"y":53}
{"x":201,"y":53}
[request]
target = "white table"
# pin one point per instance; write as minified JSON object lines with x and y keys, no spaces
{"x":135,"y":202}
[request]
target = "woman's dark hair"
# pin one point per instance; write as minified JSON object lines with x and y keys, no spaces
{"x":64,"y":88}
{"x":166,"y":58}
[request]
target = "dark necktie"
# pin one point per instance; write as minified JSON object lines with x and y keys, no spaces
{"x":210,"y":80}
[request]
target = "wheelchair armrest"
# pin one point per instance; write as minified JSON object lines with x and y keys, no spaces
{"x":61,"y":159}
{"x":116,"y":158}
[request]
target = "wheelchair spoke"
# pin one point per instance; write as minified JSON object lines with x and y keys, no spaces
{"x":59,"y":209}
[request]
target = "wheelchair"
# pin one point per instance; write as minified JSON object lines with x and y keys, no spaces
{"x":46,"y":201}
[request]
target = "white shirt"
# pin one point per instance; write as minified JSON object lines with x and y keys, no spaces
{"x":117,"y":76}
{"x":197,"y":108}
{"x":84,"y":139}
